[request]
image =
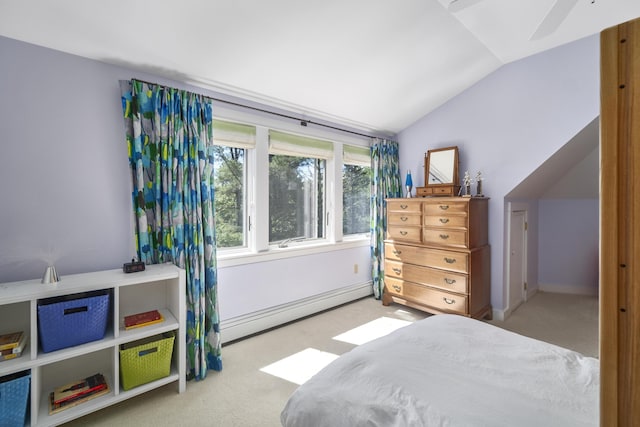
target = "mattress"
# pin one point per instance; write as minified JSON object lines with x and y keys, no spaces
{"x":449,"y":370}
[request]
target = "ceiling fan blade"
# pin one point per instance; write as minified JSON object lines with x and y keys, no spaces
{"x":458,"y":5}
{"x":556,"y":15}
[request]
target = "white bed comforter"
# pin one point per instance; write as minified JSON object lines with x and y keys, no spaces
{"x":448,"y":370}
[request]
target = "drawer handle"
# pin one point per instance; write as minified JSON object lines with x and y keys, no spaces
{"x":397,"y":270}
{"x":404,"y":206}
{"x":444,"y":207}
{"x":450,"y":281}
{"x":396,"y":252}
{"x":444,"y":236}
{"x":449,"y":260}
{"x":404,"y":233}
{"x":396,"y":288}
{"x":448,"y":301}
{"x":403,"y":218}
{"x":444,"y":220}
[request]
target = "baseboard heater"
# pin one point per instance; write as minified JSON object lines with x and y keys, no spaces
{"x":250,"y":324}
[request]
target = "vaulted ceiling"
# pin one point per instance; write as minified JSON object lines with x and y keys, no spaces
{"x":376,"y":65}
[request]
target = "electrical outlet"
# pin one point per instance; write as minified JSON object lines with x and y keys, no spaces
{"x":355,"y":268}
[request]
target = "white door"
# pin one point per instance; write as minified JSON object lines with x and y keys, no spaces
{"x":517,"y":259}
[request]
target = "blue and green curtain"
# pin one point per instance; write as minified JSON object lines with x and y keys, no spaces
{"x":385,"y":183}
{"x":169,"y":135}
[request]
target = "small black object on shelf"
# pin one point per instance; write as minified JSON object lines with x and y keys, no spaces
{"x":133,"y":266}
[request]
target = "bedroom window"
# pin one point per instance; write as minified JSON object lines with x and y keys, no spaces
{"x":297,"y":181}
{"x":231,"y":144}
{"x":356,"y":190}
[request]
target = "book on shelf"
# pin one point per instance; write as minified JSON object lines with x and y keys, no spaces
{"x":12,"y":353}
{"x":10,"y":340}
{"x":54,"y":408}
{"x":80,"y":387}
{"x":139,"y":320}
{"x":17,"y":349}
{"x":77,"y":392}
{"x":8,"y":356}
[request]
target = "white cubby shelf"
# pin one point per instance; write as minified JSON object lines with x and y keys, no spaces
{"x":160,"y":287}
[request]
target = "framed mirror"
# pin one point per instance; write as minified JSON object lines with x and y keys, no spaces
{"x":441,"y":172}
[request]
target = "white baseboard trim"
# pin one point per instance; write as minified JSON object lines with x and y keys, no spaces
{"x":499,"y":314}
{"x":531,"y":291}
{"x":567,"y":289}
{"x":504,"y":314}
{"x":252,"y":323}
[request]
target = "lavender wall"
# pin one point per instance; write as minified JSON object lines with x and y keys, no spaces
{"x":569,"y":247}
{"x":569,"y":243}
{"x":64,"y":180}
{"x":508,"y":124}
{"x":65,"y":191}
{"x":253,"y":287}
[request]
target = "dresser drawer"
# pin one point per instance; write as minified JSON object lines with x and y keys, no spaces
{"x":447,"y":260}
{"x":448,"y":221}
{"x":393,"y":286}
{"x":401,"y":218}
{"x":442,"y":279}
{"x":447,"y":206}
{"x":445,"y":237}
{"x":398,"y":252}
{"x":445,"y":280}
{"x":438,"y":190}
{"x":406,"y":233}
{"x":394,"y":269}
{"x":410,"y":205}
{"x":438,"y":258}
{"x":423,"y":191}
{"x":423,"y":295}
{"x":440,"y":300}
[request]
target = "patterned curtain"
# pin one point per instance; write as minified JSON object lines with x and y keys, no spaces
{"x":169,"y":135}
{"x":385,"y":183}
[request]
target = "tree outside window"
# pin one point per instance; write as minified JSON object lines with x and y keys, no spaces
{"x":356,"y":199}
{"x":229,"y":184}
{"x":296,"y":197}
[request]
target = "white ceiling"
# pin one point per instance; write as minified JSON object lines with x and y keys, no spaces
{"x":377,"y":65}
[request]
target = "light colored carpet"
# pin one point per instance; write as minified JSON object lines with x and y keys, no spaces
{"x":244,"y":395}
{"x":569,"y":321}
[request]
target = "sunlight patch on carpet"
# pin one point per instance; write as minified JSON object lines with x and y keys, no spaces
{"x":299,"y":367}
{"x":371,"y":330}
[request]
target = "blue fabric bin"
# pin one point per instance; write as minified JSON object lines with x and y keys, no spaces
{"x":72,"y":320}
{"x":14,"y":396}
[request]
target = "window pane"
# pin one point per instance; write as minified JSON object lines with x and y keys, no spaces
{"x":356,"y":195}
{"x":296,"y":197}
{"x":229,"y":182}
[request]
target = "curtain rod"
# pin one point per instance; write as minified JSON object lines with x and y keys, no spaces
{"x":303,"y":122}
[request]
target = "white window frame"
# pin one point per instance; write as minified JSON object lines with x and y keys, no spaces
{"x":279,"y":144}
{"x":249,"y":146}
{"x":354,"y":236}
{"x":257,"y":204}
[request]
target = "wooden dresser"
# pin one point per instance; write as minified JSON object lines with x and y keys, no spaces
{"x":437,"y":256}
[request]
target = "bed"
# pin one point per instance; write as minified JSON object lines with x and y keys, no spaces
{"x":449,"y":370}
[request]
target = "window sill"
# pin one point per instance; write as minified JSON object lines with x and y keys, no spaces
{"x":235,"y":257}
